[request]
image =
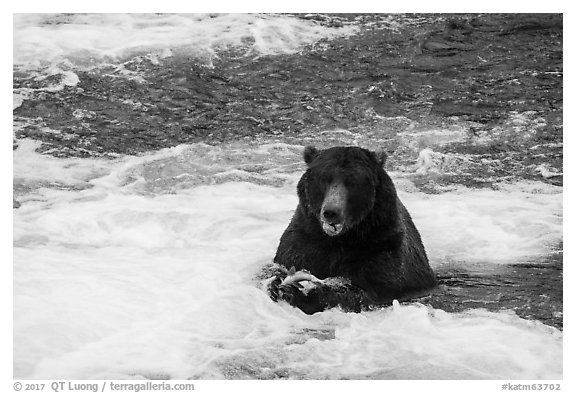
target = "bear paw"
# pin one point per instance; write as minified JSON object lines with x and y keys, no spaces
{"x":298,"y":289}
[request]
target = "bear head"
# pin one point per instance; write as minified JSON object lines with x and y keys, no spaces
{"x":341,"y":186}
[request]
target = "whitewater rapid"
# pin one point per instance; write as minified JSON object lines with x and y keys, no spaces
{"x":130,"y":267}
{"x":145,"y":266}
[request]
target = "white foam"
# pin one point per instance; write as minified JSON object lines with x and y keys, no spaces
{"x":142,"y":267}
{"x":501,"y":226}
{"x":121,"y":279}
{"x":433,"y":137}
{"x":44,"y":38}
{"x":32,"y":170}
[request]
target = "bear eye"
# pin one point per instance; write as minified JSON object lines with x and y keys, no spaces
{"x":358,"y":182}
{"x":323,"y":180}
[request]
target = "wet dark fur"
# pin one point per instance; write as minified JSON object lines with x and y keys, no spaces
{"x":379,"y":257}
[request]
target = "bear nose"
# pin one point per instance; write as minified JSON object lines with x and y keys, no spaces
{"x":332,"y":215}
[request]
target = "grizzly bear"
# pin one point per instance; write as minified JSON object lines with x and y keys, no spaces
{"x":351,"y":241}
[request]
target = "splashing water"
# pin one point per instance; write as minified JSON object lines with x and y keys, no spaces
{"x":144,"y":266}
{"x":90,"y":39}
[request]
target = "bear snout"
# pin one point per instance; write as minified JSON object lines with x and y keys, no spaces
{"x":332,"y":222}
{"x":332,"y":213}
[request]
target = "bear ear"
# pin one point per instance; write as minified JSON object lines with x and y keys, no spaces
{"x":381,"y":157}
{"x":310,"y":153}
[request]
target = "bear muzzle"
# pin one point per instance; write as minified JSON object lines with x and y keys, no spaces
{"x":332,"y":221}
{"x":332,"y":212}
{"x":332,"y":229}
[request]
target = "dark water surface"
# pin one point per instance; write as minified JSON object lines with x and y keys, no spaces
{"x":532,"y":290}
{"x":461,"y":103}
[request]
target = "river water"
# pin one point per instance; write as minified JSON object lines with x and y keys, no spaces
{"x":142,"y":264}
